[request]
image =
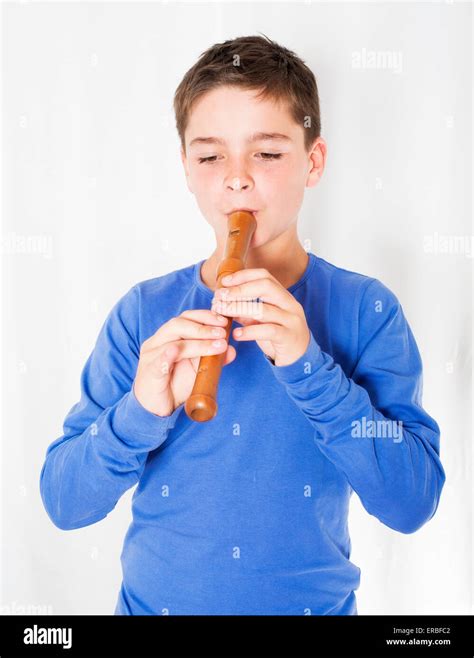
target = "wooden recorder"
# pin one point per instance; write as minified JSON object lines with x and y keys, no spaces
{"x":201,"y":405}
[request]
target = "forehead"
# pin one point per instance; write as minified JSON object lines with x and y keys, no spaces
{"x":231,"y":113}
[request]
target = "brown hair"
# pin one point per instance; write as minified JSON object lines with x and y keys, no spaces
{"x":256,"y":63}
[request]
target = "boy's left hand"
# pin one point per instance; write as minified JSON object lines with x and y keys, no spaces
{"x":277,"y":323}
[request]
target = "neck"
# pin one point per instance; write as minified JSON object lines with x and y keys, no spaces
{"x":284,"y":257}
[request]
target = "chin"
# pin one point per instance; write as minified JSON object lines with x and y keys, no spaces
{"x":258,"y":240}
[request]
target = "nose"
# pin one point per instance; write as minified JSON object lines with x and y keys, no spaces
{"x":237,"y":183}
{"x":237,"y":178}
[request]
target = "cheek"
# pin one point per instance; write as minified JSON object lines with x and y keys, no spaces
{"x":202,"y":176}
{"x":282,"y":184}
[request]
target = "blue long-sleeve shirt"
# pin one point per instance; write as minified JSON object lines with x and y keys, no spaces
{"x":247,"y":513}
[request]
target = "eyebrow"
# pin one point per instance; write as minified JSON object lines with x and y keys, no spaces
{"x":256,"y":137}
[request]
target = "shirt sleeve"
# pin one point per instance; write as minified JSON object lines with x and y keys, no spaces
{"x":107,"y":434}
{"x":372,"y":426}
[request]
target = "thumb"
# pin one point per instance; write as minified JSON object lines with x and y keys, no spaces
{"x":230,"y":355}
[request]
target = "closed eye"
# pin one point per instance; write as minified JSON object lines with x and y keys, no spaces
{"x":268,"y":157}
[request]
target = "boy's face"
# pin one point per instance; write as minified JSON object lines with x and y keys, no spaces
{"x":239,"y":174}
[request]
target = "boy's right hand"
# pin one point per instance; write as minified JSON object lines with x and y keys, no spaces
{"x":170,"y":358}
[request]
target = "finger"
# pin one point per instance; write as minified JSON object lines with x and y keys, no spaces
{"x":245,"y":322}
{"x":268,"y":290}
{"x":258,"y":311}
{"x":272,"y":332}
{"x":247,"y":274}
{"x":174,"y":352}
{"x":205,"y":316}
{"x":229,"y":357}
{"x":185,"y":327}
{"x":186,"y":349}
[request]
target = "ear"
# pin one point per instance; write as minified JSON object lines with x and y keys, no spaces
{"x":184,"y":160}
{"x":317,"y":162}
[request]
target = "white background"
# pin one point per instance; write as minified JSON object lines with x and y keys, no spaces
{"x":91,"y":167}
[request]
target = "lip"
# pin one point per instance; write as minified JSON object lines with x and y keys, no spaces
{"x":242,"y":209}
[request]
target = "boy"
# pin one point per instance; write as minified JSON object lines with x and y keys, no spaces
{"x":320,"y":396}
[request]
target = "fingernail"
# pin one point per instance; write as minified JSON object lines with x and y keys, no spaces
{"x":221,"y":318}
{"x":227,"y":278}
{"x":217,"y":343}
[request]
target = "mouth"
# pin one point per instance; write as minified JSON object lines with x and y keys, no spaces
{"x":251,"y":210}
